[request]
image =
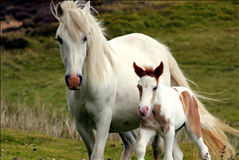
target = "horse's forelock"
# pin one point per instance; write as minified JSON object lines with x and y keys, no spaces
{"x":71,"y":19}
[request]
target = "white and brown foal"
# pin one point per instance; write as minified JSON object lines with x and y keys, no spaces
{"x":164,"y":110}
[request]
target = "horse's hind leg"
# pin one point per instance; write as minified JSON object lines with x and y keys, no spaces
{"x":129,"y":139}
{"x":157,"y":146}
{"x":87,"y":136}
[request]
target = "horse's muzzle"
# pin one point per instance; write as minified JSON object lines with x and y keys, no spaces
{"x":73,"y":81}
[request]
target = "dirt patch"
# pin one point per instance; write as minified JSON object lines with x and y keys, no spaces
{"x":10,"y":24}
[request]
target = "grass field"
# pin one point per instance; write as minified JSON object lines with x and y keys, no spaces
{"x":203,"y":37}
{"x":37,"y":146}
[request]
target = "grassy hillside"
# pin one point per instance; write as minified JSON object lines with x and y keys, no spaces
{"x":203,"y":37}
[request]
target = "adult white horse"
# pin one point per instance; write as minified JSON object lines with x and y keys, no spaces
{"x":101,"y":83}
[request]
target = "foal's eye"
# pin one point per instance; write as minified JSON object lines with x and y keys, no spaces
{"x":59,"y":39}
{"x":139,"y":87}
{"x":155,"y":88}
{"x":84,"y":39}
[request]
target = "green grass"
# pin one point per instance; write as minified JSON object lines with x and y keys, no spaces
{"x":203,"y":37}
{"x":15,"y":144}
{"x":21,"y":144}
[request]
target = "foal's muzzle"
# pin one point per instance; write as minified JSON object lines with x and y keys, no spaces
{"x":73,"y":81}
{"x":143,"y":111}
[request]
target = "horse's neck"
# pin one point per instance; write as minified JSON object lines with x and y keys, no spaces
{"x":99,"y":62}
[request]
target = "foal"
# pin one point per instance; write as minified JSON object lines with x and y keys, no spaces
{"x":165,"y":110}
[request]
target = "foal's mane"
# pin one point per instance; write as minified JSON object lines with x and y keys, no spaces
{"x":71,"y":22}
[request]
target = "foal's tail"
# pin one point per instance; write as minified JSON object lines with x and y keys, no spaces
{"x":214,"y":136}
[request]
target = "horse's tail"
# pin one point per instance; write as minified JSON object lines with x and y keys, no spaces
{"x":215,"y":138}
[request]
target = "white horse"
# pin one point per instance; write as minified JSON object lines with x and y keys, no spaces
{"x":164,"y":110}
{"x":101,"y":92}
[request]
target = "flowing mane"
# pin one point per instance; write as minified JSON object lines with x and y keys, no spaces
{"x":71,"y":22}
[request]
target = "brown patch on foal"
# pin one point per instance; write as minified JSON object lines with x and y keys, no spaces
{"x":190,"y":107}
{"x":184,"y":96}
{"x":163,"y":123}
{"x":175,"y":89}
{"x":156,"y":121}
{"x":149,"y":71}
{"x":153,"y":97}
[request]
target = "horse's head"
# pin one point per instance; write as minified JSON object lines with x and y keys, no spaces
{"x":147,"y":86}
{"x":72,"y":35}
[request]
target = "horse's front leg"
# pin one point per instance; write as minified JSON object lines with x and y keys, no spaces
{"x":144,"y":138}
{"x":157,"y":146}
{"x":102,"y":121}
{"x":129,"y":139}
{"x":87,"y":135}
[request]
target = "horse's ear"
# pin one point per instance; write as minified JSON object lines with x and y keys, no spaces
{"x":138,"y":70}
{"x":86,"y":9}
{"x":59,"y":10}
{"x":159,"y":70}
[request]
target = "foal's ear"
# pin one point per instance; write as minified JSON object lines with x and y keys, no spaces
{"x":159,"y":70}
{"x":86,"y":9}
{"x":138,"y":70}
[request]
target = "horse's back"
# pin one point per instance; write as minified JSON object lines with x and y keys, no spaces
{"x":143,"y":50}
{"x":142,"y":45}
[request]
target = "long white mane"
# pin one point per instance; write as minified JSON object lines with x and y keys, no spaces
{"x":72,"y":20}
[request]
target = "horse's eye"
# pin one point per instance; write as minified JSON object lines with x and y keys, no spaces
{"x":155,"y":88}
{"x":84,"y":39}
{"x":59,"y":39}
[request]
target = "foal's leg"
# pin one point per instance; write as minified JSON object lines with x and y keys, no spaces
{"x":193,"y":129}
{"x":144,"y":138}
{"x":129,"y":139}
{"x":169,"y":139}
{"x":202,"y":148}
{"x":177,"y":153}
{"x":87,"y":136}
{"x":157,"y":146}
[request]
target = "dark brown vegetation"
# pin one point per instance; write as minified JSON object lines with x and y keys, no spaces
{"x":35,"y":16}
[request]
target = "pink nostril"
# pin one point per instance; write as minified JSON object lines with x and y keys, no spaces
{"x":146,"y":109}
{"x":139,"y":109}
{"x":143,"y":110}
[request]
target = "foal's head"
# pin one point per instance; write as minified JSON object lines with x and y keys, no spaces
{"x":147,"y":85}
